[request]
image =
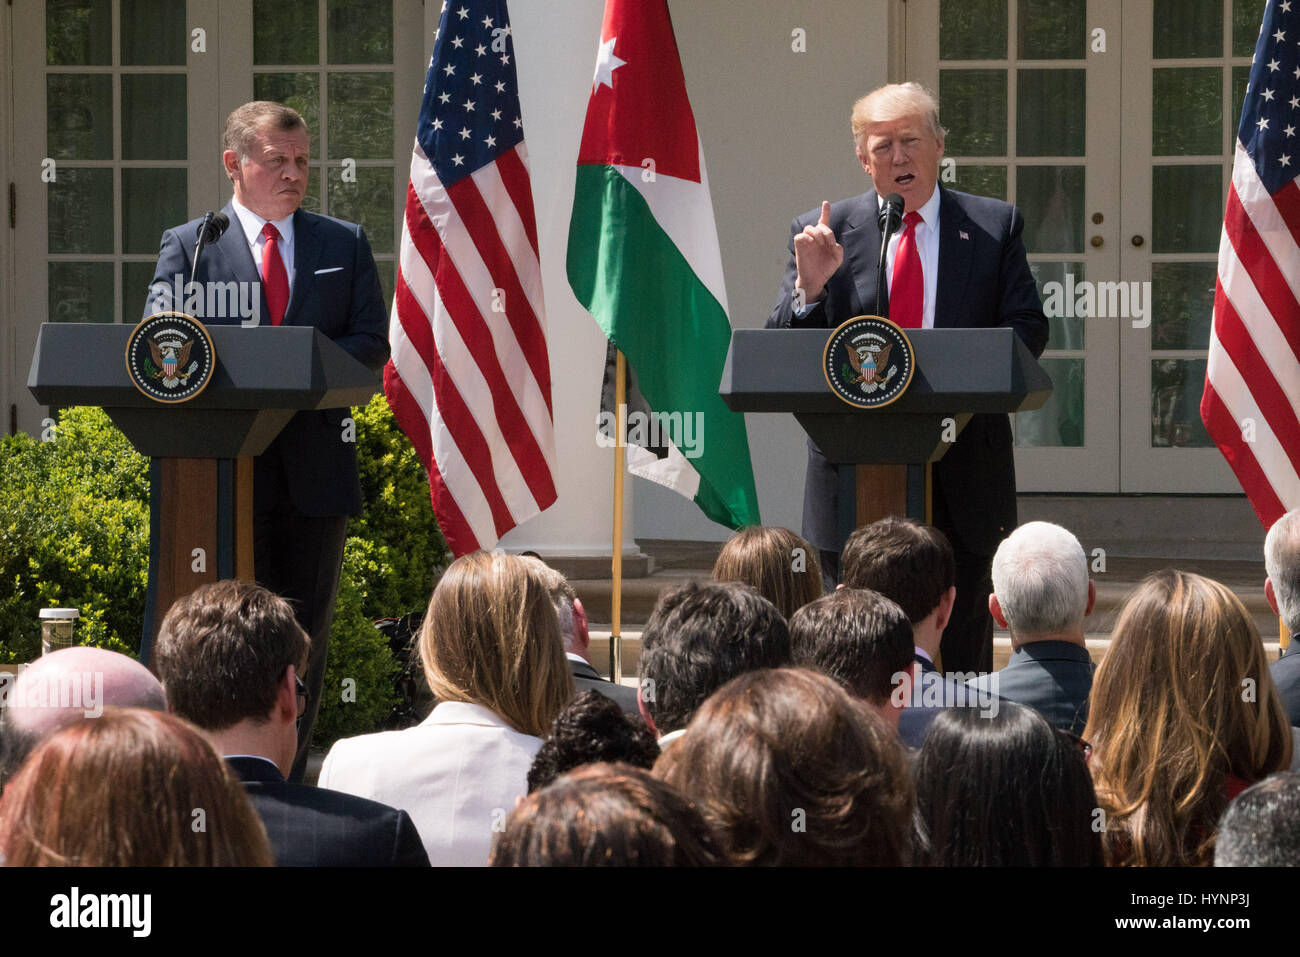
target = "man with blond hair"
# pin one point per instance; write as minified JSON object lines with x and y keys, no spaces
{"x":958,"y":261}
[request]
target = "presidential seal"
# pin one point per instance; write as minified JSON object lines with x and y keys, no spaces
{"x":169,"y":357}
{"x":868,"y":362}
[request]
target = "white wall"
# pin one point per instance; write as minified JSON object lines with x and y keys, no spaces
{"x":774,"y":124}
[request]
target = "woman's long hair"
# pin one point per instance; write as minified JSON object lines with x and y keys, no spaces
{"x":779,"y":564}
{"x":1182,"y":701}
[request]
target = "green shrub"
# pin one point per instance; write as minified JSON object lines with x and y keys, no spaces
{"x":74,"y":531}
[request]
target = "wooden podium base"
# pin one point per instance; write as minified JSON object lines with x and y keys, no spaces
{"x":869,"y":493}
{"x":191,"y":542}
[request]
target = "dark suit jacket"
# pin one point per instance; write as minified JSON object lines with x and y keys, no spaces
{"x":1052,"y":677}
{"x":1286,"y":675}
{"x":933,"y":693}
{"x":588,"y":678}
{"x":317,"y":827}
{"x":984,"y":281}
{"x":343,"y":299}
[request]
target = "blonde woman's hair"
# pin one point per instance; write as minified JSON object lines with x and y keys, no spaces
{"x":780,"y":565}
{"x":491,"y":638}
{"x":1183,"y":700}
{"x":891,"y":102}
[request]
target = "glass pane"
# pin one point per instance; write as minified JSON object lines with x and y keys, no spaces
{"x":975,"y":104}
{"x":361,"y":115}
{"x":1182,"y":307}
{"x":81,"y":292}
{"x":80,"y":208}
{"x":980,"y":180}
{"x":368,"y":201}
{"x":1050,"y":112}
{"x":311,"y":201}
{"x":973,"y":30}
{"x":153,"y":33}
{"x":79,"y":116}
{"x":1051,"y":199}
{"x":359,"y":31}
{"x":1247,"y":17}
{"x":1187,"y":111}
{"x":298,"y":90}
{"x":1187,"y":208}
{"x":153,"y":108}
{"x":79,"y":32}
{"x":1176,"y":387}
{"x":1052,"y":29}
{"x":1240,"y":81}
{"x":135,"y":288}
{"x":152,"y":200}
{"x":286,"y":31}
{"x":387,"y":269}
{"x":1060,"y":421}
{"x":1057,"y":288}
{"x":1189,"y":28}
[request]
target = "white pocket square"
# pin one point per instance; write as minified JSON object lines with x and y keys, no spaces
{"x":331,"y":269}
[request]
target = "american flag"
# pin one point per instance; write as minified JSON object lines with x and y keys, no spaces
{"x":469,"y":380}
{"x":1251,"y":405}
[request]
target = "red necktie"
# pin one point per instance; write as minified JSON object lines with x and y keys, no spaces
{"x":907,"y":291}
{"x":275,"y":281}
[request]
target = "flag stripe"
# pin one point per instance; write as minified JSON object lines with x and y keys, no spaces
{"x":514,"y":176}
{"x":1217,"y":418}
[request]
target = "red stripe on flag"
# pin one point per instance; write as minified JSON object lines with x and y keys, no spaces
{"x":460,"y":423}
{"x":410,"y":417}
{"x":1262,"y":268}
{"x":1265,"y":390}
{"x":1227,"y":435}
{"x":470,"y":325}
{"x":1287,"y":201}
{"x":514,"y":175}
{"x":482,"y":230}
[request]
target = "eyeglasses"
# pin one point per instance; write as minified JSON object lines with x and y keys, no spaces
{"x":301,"y":690}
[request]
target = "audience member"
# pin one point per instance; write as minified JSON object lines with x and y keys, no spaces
{"x":591,"y":729}
{"x":699,"y":637}
{"x":606,"y":815}
{"x":1184,"y":716}
{"x":577,"y":639}
{"x":789,"y":769}
{"x":862,"y":640}
{"x":780,"y":565}
{"x":1042,"y":594}
{"x":1261,"y":827}
{"x":910,"y":564}
{"x":62,"y":688}
{"x":229,"y":655}
{"x":1003,"y":791}
{"x":130,"y":788}
{"x":490,"y":643}
{"x":1282,"y":587}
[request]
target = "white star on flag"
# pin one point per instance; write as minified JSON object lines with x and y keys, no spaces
{"x":1284,"y":159}
{"x":606,"y":64}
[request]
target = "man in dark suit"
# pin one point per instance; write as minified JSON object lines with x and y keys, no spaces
{"x":962,"y":263}
{"x":1042,"y":594}
{"x":577,"y":640}
{"x":228,"y":655}
{"x":307,"y":270}
{"x":1282,"y":588}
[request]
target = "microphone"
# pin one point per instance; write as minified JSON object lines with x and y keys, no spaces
{"x":210,"y":230}
{"x":890,"y":218}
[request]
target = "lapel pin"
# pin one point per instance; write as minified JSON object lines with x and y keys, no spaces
{"x":963,"y":234}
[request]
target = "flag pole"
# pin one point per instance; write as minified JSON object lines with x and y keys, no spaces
{"x":620,"y":462}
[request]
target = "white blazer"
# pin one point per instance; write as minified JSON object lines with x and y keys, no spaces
{"x":457,"y":774}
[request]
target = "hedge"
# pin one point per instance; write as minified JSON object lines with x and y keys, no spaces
{"x":74,"y":531}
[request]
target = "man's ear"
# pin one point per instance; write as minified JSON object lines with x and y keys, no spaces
{"x":645,"y":712}
{"x":1271,"y":596}
{"x":286,"y":696}
{"x":995,"y":610}
{"x":945,"y":608}
{"x":1092,"y":598}
{"x":581,"y":630}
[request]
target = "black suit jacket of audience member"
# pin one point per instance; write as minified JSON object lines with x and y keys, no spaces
{"x":915,"y":720}
{"x":317,"y":827}
{"x":1286,"y":675}
{"x":1052,"y":677}
{"x":587,"y":678}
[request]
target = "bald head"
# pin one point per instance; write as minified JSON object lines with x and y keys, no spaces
{"x":61,"y":688}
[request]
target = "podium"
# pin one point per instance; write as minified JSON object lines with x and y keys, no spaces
{"x":200,"y":451}
{"x":882,"y":453}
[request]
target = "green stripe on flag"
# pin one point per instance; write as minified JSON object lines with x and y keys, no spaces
{"x":639,"y":288}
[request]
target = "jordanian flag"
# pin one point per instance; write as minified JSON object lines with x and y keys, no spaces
{"x":644,"y":260}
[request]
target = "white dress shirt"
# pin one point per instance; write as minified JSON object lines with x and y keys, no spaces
{"x":252,"y":225}
{"x":458,"y":774}
{"x":927,"y":245}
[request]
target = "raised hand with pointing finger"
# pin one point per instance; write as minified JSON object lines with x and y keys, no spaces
{"x":817,"y":255}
